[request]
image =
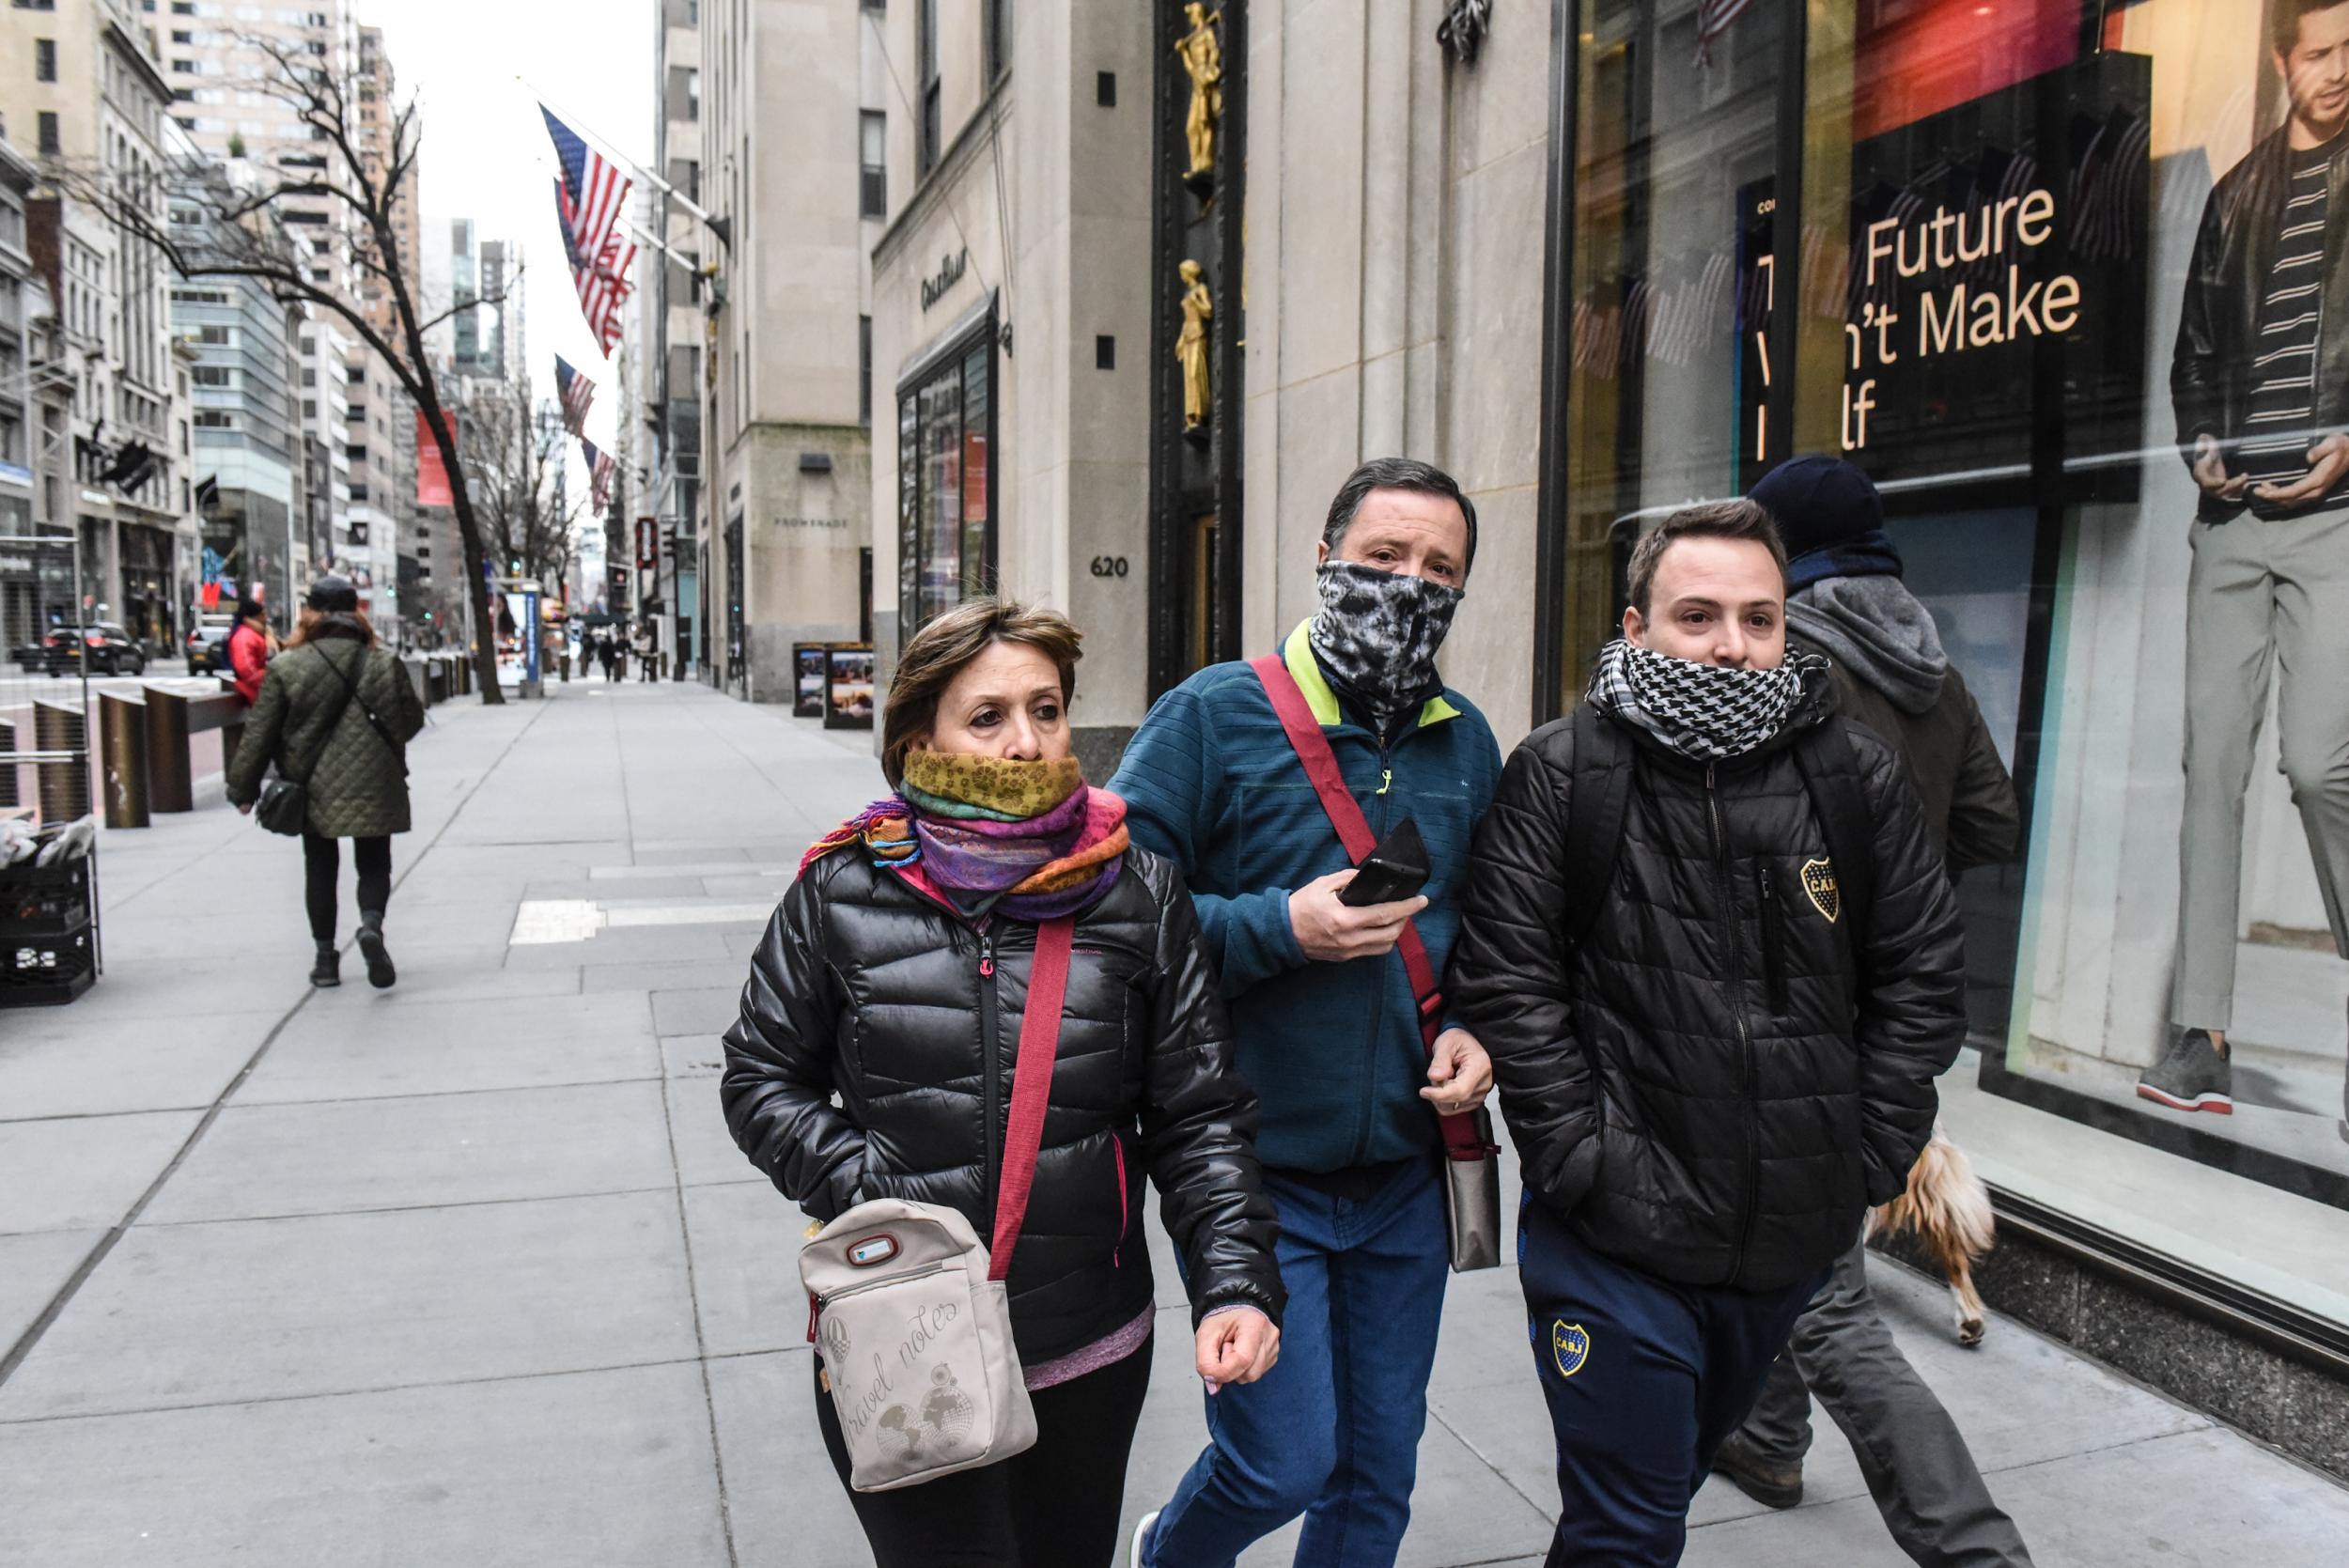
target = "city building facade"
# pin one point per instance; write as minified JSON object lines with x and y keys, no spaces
{"x":672,"y":352}
{"x":785,"y":476}
{"x":86,"y":82}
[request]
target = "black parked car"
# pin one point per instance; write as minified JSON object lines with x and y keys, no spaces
{"x":108,"y":647}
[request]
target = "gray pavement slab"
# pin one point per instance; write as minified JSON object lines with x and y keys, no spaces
{"x":421,"y":1151}
{"x":33,"y":1266}
{"x":587,"y":1467}
{"x":84,"y":1173}
{"x":347,"y":1049}
{"x":422,"y":1289}
{"x":273,"y":1308}
{"x":707,"y":1154}
{"x":746,"y":1266}
{"x":111,"y":1068}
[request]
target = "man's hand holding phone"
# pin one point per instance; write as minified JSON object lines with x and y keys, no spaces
{"x":1333,"y":932}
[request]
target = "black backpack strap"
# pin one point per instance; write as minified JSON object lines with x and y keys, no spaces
{"x":1595,"y":811}
{"x":1830,"y":771}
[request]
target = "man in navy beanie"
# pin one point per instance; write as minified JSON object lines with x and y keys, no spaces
{"x":1846,"y":599}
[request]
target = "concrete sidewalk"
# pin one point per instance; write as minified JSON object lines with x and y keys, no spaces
{"x":469,"y":1271}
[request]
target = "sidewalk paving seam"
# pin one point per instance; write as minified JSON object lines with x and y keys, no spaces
{"x":362,"y":1392}
{"x":676,"y":1180}
{"x":56,"y":1305}
{"x":405,"y":1209}
{"x":1498,"y":1474}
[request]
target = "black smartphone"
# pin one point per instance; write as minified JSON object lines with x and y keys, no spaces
{"x":1396,"y":870}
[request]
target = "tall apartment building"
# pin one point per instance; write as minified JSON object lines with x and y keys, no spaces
{"x":786,"y":452}
{"x":84,"y":82}
{"x":216,"y":69}
{"x":374,"y":86}
{"x":670,"y":364}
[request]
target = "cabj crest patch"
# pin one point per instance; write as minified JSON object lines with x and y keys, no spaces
{"x":1818,"y":882}
{"x":1569,"y":1346}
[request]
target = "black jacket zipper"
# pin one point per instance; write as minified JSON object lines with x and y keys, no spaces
{"x":1735,"y":950}
{"x":1773,"y":937}
{"x":989,"y":1096}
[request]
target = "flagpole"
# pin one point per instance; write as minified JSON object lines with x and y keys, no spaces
{"x":648,"y":176}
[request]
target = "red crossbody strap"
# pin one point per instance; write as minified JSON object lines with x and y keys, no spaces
{"x":1031,"y":1087}
{"x":1461,"y":1138}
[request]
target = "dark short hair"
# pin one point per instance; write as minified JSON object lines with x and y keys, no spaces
{"x":248,"y":608}
{"x":2283,"y":19}
{"x":936,"y":653}
{"x":1719,"y":520}
{"x":1396,"y":473}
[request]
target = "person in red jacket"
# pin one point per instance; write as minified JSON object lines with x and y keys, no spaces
{"x":249,"y":648}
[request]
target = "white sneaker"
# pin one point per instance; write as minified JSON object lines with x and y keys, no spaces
{"x":1142,"y":1538}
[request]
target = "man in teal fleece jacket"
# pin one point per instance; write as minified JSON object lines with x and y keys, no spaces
{"x":1327,"y":1026}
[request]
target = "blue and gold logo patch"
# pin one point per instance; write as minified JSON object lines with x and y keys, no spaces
{"x":1569,"y":1346}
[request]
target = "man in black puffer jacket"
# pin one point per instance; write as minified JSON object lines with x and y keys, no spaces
{"x":1715,"y":1060}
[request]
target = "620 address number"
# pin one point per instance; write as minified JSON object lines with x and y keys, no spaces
{"x":1109,"y":566}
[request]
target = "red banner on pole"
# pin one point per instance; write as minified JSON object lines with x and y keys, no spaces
{"x":431,"y":473}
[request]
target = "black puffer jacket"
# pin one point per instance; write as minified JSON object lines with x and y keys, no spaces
{"x":1701,"y":1087}
{"x":866,"y":991}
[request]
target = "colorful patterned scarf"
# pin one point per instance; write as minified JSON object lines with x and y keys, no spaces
{"x":1028,"y":839}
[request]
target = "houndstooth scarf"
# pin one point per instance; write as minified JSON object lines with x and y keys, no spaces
{"x":1706,"y":712}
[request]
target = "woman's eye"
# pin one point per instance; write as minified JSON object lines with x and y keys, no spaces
{"x":985,"y":718}
{"x":1049,"y":713}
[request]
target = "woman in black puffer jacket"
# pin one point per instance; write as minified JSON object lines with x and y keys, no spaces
{"x":893,"y":981}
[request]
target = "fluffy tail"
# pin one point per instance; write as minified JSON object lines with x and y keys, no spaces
{"x":1948,"y":1208}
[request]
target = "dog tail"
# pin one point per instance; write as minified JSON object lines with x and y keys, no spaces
{"x":1945,"y":1201}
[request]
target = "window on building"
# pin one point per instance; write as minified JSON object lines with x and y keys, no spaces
{"x":925,"y":84}
{"x":946,"y":480}
{"x":998,"y":38}
{"x":873,"y":137}
{"x":214,"y":334}
{"x":215,"y":375}
{"x":47,"y":125}
{"x":44,"y":60}
{"x":864,"y":371}
{"x":36,"y":5}
{"x":693,"y":95}
{"x":215,"y":419}
{"x":186,"y":68}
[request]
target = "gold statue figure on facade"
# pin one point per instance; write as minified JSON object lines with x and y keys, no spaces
{"x":1191,"y":348}
{"x":1202,"y":55}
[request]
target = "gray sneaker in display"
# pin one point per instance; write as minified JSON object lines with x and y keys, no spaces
{"x":2193,"y":1076}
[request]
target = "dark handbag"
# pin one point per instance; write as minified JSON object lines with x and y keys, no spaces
{"x":1471,"y":1167}
{"x":285,"y":803}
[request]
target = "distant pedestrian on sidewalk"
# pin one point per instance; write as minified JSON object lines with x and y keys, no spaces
{"x":1889,"y":671}
{"x":249,"y":648}
{"x":340,"y":696}
{"x":1708,"y":941}
{"x":874,"y":1059}
{"x":1327,"y":1015}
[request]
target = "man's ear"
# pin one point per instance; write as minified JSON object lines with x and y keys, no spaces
{"x":1634,"y":627}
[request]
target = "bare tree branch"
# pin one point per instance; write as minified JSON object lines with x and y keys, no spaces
{"x":236,"y":232}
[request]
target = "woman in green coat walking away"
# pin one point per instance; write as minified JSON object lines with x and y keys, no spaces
{"x":338,"y":703}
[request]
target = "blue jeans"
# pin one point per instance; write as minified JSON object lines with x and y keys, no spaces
{"x":1333,"y":1431}
{"x":1644,"y":1380}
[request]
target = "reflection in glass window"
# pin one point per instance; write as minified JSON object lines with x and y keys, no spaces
{"x":945,"y":489}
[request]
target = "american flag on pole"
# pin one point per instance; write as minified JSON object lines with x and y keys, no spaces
{"x":577,"y":392}
{"x":1712,"y":20}
{"x":601,"y":280}
{"x":600,"y":470}
{"x":594,"y":190}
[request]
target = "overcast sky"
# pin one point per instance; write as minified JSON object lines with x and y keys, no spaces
{"x":486,"y":153}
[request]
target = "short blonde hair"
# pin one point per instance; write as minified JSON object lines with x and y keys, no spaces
{"x":940,"y":650}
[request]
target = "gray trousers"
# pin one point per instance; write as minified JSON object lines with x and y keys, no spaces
{"x":2263,"y":594}
{"x":1916,"y":1466}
